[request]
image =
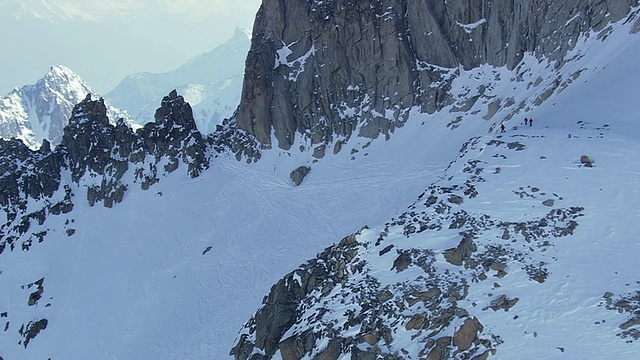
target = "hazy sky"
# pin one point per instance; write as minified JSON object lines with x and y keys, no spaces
{"x":104,"y":41}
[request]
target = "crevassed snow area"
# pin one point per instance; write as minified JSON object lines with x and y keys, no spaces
{"x":174,"y":272}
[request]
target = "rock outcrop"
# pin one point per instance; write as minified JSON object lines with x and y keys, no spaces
{"x":96,"y":147}
{"x":298,"y":175}
{"x":326,"y":70}
{"x":97,"y":162}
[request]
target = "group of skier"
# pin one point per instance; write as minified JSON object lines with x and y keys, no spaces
{"x":528,"y":121}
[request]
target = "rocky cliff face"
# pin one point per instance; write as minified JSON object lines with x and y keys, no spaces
{"x":327,"y":70}
{"x":96,"y":155}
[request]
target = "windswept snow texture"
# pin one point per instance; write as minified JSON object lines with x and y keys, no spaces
{"x":174,"y":272}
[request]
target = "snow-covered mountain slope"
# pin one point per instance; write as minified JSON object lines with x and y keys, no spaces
{"x":40,"y":111}
{"x":211,"y":82}
{"x":464,"y":222}
{"x":521,"y":248}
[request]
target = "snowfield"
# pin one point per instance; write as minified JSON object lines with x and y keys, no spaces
{"x":175,"y":271}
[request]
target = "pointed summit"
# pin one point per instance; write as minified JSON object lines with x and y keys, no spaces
{"x":61,"y":72}
{"x":40,"y":111}
{"x":175,"y":111}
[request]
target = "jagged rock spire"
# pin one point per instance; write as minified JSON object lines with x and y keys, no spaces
{"x":171,"y":135}
{"x":174,"y":110}
{"x":92,"y":145}
{"x":97,"y":154}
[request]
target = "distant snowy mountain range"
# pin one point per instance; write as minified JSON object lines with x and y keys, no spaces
{"x":210,"y":82}
{"x":106,"y":41}
{"x":40,"y":111}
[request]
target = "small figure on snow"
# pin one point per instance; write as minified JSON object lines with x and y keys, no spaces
{"x":526,"y":121}
{"x":530,"y":122}
{"x":501,"y":127}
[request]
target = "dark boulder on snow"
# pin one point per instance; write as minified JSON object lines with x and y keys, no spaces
{"x":462,"y":252}
{"x":467,"y":333}
{"x":401,"y":262}
{"x":502,"y":302}
{"x":32,"y":330}
{"x":586,"y":161}
{"x":298,"y":175}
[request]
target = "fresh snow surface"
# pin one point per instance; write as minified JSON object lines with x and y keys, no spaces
{"x":136,"y":281}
